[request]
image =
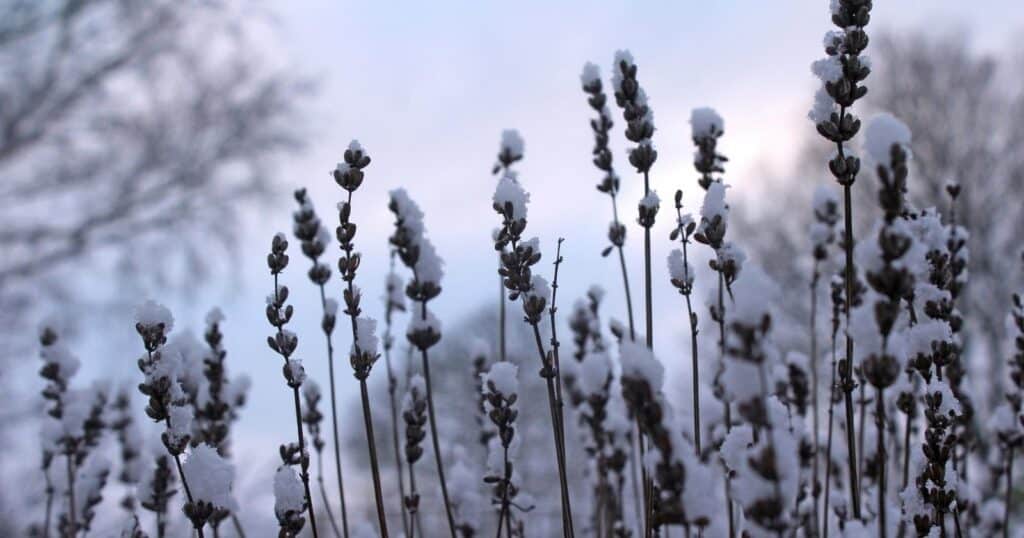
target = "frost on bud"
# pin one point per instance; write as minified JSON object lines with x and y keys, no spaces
{"x":424,"y":330}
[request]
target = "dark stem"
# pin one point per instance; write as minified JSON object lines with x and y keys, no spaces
{"x":560,"y":406}
{"x":862,"y":410}
{"x":880,"y":424}
{"x":647,"y":273}
{"x":847,"y":372}
{"x":334,"y":422}
{"x":906,"y":449}
{"x":394,"y":431}
{"x":73,"y":524}
{"x":323,"y":494}
{"x":556,"y":425}
{"x":238,"y":526}
{"x":502,"y":349}
{"x":814,"y":390}
{"x":374,"y":469}
{"x":625,"y":276}
{"x":412,"y":494}
{"x":49,"y":502}
{"x":635,"y":480}
{"x":304,"y":457}
{"x":828,"y":442}
{"x":696,"y":375}
{"x":434,"y":441}
{"x":1009,"y":491}
{"x":303,"y":466}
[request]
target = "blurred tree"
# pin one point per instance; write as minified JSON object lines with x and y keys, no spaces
{"x":966,"y":111}
{"x":131,"y":132}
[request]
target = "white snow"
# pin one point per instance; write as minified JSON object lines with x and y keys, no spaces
{"x":151,"y":313}
{"x":828,"y":69}
{"x":210,"y":477}
{"x":509,"y":190}
{"x":678,"y":269}
{"x":639,"y":362}
{"x":650,"y":201}
{"x":512,"y":142}
{"x":429,"y":266}
{"x":539,"y":288}
{"x":289,"y":495}
{"x":298,"y":373}
{"x":419,"y":323}
{"x":705,"y":121}
{"x":714,"y":202}
{"x":366,"y":335}
{"x":504,"y":376}
{"x":883,"y":131}
{"x":180,"y":422}
{"x":591,"y":72}
{"x":595,"y":372}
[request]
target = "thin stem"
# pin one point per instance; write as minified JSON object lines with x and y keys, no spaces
{"x":394,"y":433}
{"x":847,"y":372}
{"x":814,"y":390}
{"x":323,"y":493}
{"x":647,"y":273}
{"x":188,"y":492}
{"x":334,"y":421}
{"x":49,"y":502}
{"x":1009,"y":492}
{"x":567,"y":528}
{"x":558,"y":375}
{"x":374,"y":468}
{"x":728,"y":412}
{"x":635,"y":480}
{"x":862,"y":410}
{"x":828,"y":443}
{"x":625,"y":276}
{"x":73,"y":524}
{"x":696,"y":375}
{"x":304,"y":457}
{"x":502,"y":349}
{"x":434,"y":441}
{"x":906,"y":449}
{"x":303,"y":466}
{"x":238,"y":526}
{"x":880,"y":424}
{"x":412,"y":494}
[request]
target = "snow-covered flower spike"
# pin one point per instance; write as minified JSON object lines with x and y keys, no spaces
{"x":290,"y":501}
{"x":418,"y":254}
{"x":601,"y":126}
{"x":349,"y":173}
{"x":284,"y":342}
{"x":414,"y":414}
{"x":510,"y":151}
{"x":842,"y":73}
{"x":501,"y":394}
{"x":636,"y":111}
{"x":707,"y":126}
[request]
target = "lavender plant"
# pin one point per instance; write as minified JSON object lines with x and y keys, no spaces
{"x":314,"y":238}
{"x":842,"y":73}
{"x":424,"y":331}
{"x":602,"y":126}
{"x":284,"y":342}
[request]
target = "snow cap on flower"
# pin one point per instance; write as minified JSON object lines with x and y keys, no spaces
{"x":210,"y":477}
{"x":883,"y":131}
{"x":539,"y":287}
{"x":504,"y":377}
{"x":510,"y":191}
{"x":594,"y":372}
{"x":678,"y":269}
{"x":714,"y":202}
{"x":366,"y":337}
{"x":289,"y":495}
{"x":650,"y":201}
{"x":429,"y":266}
{"x":408,"y":211}
{"x":639,"y":362}
{"x":591,"y":73}
{"x":151,"y":314}
{"x":705,"y":121}
{"x":512,"y":142}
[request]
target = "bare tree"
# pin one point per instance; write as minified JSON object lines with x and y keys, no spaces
{"x":966,"y":111}
{"x":130,"y":131}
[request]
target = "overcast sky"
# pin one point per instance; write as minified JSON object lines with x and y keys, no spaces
{"x":427,"y":89}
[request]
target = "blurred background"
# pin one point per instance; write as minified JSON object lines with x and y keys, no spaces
{"x":149,"y":149}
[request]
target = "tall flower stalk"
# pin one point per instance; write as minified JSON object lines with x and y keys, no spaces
{"x":842,"y":72}
{"x":424,"y":331}
{"x":349,"y":176}
{"x":313,"y":417}
{"x":509,"y":152}
{"x":414,"y":413}
{"x":822,"y":232}
{"x":314,"y":237}
{"x":394,"y":301}
{"x":682,"y":276}
{"x":632,"y":99}
{"x":284,"y":342}
{"x":601,"y":126}
{"x":517,"y":259}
